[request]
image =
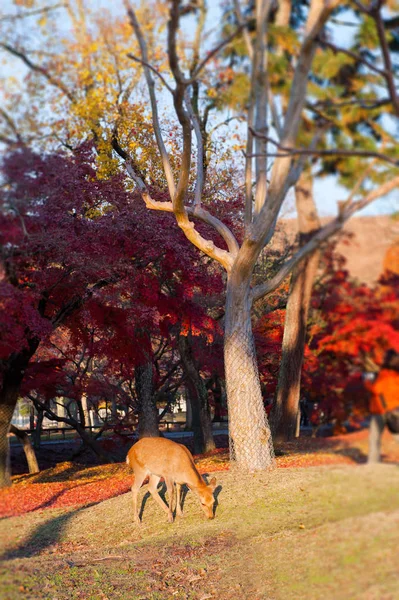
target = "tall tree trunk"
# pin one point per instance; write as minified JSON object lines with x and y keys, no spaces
{"x":189,"y":411}
{"x":251,"y":445}
{"x":147,"y":406}
{"x":9,"y":393}
{"x":215,"y":386}
{"x":201,"y":418}
{"x":38,"y":429}
{"x":28,"y":449}
{"x":285,"y":410}
{"x":85,"y":410}
{"x":31,"y":417}
{"x":6,"y":412}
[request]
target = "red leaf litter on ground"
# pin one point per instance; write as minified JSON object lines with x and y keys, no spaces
{"x":70,"y":485}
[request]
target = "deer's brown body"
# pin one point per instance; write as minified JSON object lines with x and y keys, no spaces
{"x":160,"y":457}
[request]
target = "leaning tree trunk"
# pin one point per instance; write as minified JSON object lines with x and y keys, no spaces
{"x":147,"y":406}
{"x":286,"y":407}
{"x":251,"y":446}
{"x":201,"y":418}
{"x":23,"y":437}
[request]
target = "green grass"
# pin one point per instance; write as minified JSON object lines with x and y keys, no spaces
{"x":322,"y":532}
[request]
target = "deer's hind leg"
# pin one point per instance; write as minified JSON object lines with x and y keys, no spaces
{"x":152,"y":488}
{"x":179,"y":511}
{"x":139,"y":477}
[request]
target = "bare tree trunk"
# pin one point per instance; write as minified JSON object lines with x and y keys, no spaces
{"x":147,"y":409}
{"x":28,"y":449}
{"x":189,"y":411}
{"x":9,"y":393}
{"x":85,"y":410}
{"x":251,"y":444}
{"x":6,"y":412}
{"x":38,"y":429}
{"x":201,"y":418}
{"x":285,"y":410}
{"x":31,"y":417}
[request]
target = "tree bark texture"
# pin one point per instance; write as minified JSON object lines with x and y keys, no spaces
{"x":9,"y":393}
{"x":147,"y":407}
{"x":38,"y":429}
{"x":6,"y":412}
{"x":201,"y":419}
{"x":89,"y":441}
{"x":251,"y":447}
{"x":23,"y":437}
{"x":85,"y":410}
{"x":285,"y":409}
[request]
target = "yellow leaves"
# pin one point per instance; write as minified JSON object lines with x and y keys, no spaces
{"x":285,"y":38}
{"x":42,"y":22}
{"x":24,"y":3}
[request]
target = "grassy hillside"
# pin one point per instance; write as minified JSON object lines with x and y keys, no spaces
{"x":301,"y":533}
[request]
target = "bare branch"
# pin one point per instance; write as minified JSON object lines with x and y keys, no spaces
{"x":184,"y":120}
{"x":321,"y":236}
{"x":388,"y":74}
{"x":153,"y":69}
{"x":361,"y":6}
{"x":250,"y":120}
{"x":34,"y":67}
{"x":225,"y":258}
{"x":200,"y":151}
{"x":213,"y":52}
{"x":32,"y":13}
{"x":244,"y":25}
{"x":261,"y":85}
{"x":319,"y":12}
{"x":356,"y":57}
{"x":11,"y":125}
{"x":151,"y":89}
{"x":286,"y":151}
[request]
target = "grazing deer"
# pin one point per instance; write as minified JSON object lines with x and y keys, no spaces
{"x":160,"y":457}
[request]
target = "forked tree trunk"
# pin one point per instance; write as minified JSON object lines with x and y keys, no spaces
{"x":201,"y":419}
{"x":147,"y":406}
{"x":31,"y":459}
{"x":285,"y":410}
{"x":251,"y":446}
{"x":89,"y":441}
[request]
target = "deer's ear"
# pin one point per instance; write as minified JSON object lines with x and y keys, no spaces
{"x":212,"y":483}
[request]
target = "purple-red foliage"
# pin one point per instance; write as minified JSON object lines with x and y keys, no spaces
{"x":88,"y":255}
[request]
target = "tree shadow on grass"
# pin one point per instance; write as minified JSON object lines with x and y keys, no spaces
{"x":72,"y":471}
{"x":44,"y":536}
